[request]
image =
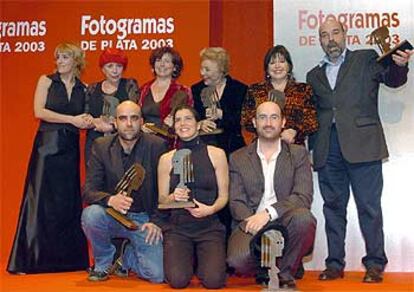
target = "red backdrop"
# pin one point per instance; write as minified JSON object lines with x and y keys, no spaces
{"x":244,"y":28}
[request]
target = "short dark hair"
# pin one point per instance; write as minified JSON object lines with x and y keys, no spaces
{"x":186,"y":107}
{"x":272,"y":53}
{"x":176,"y":59}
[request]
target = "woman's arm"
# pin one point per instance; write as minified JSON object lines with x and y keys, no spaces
{"x":163,"y":173}
{"x":219,"y":160}
{"x":50,"y":116}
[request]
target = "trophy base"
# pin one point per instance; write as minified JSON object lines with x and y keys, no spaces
{"x":214,"y":132}
{"x":386,"y":59}
{"x":124,"y":220}
{"x":163,"y":130}
{"x":176,"y":205}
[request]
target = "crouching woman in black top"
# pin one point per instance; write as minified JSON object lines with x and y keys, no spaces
{"x":195,"y":231}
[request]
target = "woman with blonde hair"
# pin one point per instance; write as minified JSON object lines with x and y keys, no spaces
{"x":49,"y":237}
{"x":218,"y":99}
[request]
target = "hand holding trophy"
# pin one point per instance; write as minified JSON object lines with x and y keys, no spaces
{"x":381,"y":37}
{"x":210,"y":100}
{"x":183,"y":166}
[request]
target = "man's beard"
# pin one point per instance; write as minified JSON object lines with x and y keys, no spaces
{"x":336,"y":52}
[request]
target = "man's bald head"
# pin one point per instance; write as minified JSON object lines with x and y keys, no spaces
{"x":128,"y":121}
{"x":128,"y":105}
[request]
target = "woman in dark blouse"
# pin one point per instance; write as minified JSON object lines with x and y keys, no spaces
{"x":227,"y":95}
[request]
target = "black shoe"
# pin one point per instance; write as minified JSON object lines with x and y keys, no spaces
{"x":96,"y":276}
{"x":287,"y":284}
{"x":300,"y":272}
{"x":373,"y":275}
{"x":262,"y":276}
{"x":331,"y":274}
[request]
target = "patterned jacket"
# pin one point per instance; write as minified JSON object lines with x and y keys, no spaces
{"x":299,"y":109}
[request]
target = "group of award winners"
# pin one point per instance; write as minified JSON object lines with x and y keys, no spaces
{"x":168,"y":173}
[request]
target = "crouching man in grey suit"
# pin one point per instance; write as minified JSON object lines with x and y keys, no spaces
{"x":271,"y":186}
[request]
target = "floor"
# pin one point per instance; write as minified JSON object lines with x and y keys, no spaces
{"x":76,"y":281}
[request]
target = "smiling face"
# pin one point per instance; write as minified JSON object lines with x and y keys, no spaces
{"x":332,"y":39}
{"x":65,"y":63}
{"x":211,"y":73}
{"x":278,"y":68}
{"x":113,"y":71}
{"x":269,"y":121}
{"x":164,"y":66}
{"x":185,"y":124}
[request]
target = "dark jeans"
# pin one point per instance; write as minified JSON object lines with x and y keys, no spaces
{"x":366,"y":182}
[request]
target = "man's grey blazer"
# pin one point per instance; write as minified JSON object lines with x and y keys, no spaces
{"x":353,"y":105}
{"x":292,"y":181}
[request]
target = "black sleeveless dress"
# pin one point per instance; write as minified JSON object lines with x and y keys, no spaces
{"x":204,"y":189}
{"x":49,"y":237}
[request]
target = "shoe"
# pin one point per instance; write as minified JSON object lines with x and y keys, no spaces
{"x":331,"y":274}
{"x":96,"y":276}
{"x":300,"y":272}
{"x":373,"y":275}
{"x":262,"y":276}
{"x":287,"y":284}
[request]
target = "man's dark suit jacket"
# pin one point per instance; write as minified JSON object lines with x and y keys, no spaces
{"x":105,"y":169}
{"x":354,"y":105}
{"x":292,"y":181}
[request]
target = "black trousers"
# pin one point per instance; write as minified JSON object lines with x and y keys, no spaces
{"x":199,"y":251}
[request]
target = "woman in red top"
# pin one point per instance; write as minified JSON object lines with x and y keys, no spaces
{"x":161,"y":95}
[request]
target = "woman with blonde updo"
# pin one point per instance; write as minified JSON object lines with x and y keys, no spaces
{"x":228,"y":94}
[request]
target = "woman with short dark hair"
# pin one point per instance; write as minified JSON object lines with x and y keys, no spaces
{"x":299,"y":109}
{"x":161,"y":95}
{"x":195,"y":231}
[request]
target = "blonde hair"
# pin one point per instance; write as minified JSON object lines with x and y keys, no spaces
{"x":219,"y":55}
{"x":75,"y":52}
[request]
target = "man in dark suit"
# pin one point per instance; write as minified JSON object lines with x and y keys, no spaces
{"x":271,"y":186}
{"x":350,"y":144}
{"x":110,"y":158}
